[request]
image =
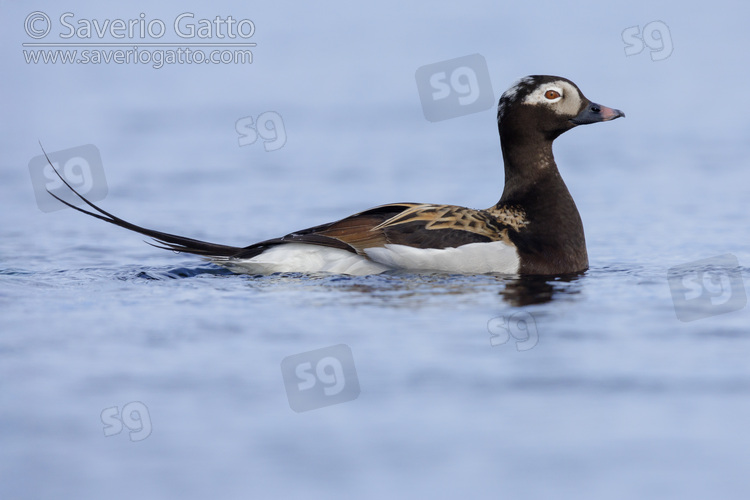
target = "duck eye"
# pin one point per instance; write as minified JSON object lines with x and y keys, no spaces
{"x":552,"y":94}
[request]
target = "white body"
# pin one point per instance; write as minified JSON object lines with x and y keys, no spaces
{"x":474,"y":258}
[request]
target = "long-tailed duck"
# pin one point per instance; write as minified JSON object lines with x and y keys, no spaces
{"x":535,"y":228}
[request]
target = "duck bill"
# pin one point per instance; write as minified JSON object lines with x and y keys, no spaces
{"x":594,"y":113}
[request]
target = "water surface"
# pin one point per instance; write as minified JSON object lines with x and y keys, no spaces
{"x":602,"y":393}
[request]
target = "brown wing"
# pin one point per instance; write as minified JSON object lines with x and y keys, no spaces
{"x":411,"y":224}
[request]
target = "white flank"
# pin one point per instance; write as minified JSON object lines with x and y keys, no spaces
{"x":304,"y":258}
{"x":474,"y":258}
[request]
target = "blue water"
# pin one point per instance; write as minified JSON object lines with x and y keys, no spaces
{"x":601,"y":391}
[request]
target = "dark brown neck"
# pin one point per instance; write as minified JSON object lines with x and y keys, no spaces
{"x":553,"y":238}
{"x":526,"y":164}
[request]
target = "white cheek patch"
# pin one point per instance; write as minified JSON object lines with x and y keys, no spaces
{"x":567,"y":104}
{"x":539,"y":97}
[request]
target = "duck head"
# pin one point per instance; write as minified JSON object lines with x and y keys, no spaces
{"x":548,"y":106}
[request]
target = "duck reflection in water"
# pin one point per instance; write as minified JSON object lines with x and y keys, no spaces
{"x":538,"y":289}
